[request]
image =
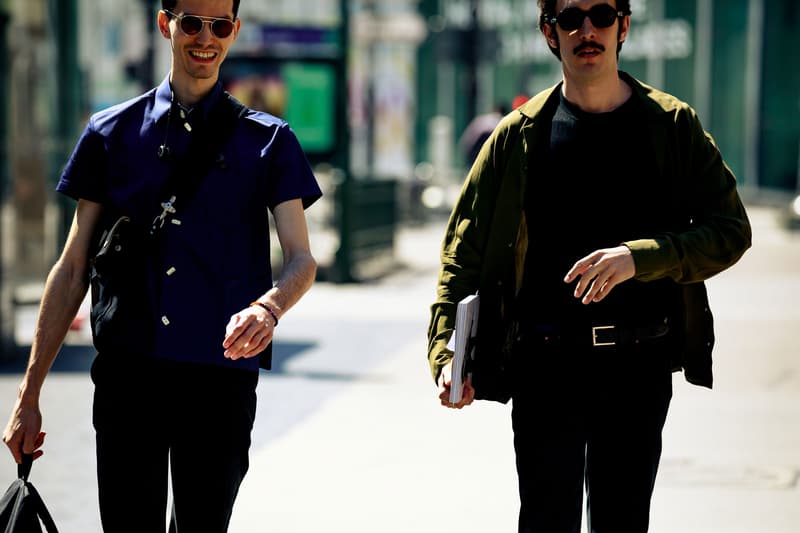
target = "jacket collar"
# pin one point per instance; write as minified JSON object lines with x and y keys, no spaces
{"x":647,"y":94}
{"x":537,"y":112}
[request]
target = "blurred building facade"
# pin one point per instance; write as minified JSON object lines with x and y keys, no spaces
{"x":377,"y":90}
{"x":65,"y":59}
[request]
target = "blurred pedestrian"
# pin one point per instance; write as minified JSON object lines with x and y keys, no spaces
{"x":587,"y":227}
{"x":184,"y":305}
{"x":478,"y":130}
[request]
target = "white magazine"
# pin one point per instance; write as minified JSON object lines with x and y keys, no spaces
{"x":464,"y":334}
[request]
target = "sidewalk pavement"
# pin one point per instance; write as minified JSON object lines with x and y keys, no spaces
{"x":371,"y":458}
{"x":355,"y":441}
{"x":383,"y":455}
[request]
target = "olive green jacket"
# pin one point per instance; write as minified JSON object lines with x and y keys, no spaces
{"x":485,"y":243}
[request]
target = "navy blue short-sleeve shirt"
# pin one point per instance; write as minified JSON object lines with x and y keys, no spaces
{"x":214,"y":257}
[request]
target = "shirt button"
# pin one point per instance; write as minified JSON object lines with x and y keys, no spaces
{"x":165,"y":320}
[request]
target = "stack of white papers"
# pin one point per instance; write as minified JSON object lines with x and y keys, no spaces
{"x":466,"y":329}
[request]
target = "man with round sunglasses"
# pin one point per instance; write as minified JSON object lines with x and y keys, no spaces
{"x":192,"y":24}
{"x":588,"y":225}
{"x":192,"y":175}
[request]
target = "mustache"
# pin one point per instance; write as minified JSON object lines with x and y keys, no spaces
{"x":585,"y":45}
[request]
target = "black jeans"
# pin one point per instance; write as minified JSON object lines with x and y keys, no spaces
{"x":151,"y":414}
{"x":593,"y":417}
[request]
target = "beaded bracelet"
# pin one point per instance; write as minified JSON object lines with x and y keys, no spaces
{"x":268,"y":309}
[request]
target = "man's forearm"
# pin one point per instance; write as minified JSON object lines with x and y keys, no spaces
{"x":64,"y":291}
{"x":297,"y":276}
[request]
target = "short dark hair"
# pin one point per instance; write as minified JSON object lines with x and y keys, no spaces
{"x":169,"y":5}
{"x":547,"y":10}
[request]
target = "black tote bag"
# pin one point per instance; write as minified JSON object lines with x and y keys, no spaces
{"x":22,"y":509}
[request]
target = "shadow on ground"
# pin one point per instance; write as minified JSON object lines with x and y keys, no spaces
{"x":78,"y":358}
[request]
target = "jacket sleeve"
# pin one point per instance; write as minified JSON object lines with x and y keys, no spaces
{"x":462,"y":251}
{"x":717,"y":230}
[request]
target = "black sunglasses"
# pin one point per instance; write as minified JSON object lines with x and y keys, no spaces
{"x":601,"y":15}
{"x":193,"y":24}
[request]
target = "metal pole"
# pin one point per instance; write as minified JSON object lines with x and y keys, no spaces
{"x":4,"y":73}
{"x":64,"y":20}
{"x":472,"y":58}
{"x":147,"y":76}
{"x":343,"y":260}
{"x":7,"y":341}
{"x":754,"y":78}
{"x":704,"y":30}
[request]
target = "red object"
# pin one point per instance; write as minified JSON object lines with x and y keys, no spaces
{"x":77,"y":322}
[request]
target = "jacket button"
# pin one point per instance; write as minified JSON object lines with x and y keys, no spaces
{"x":171,"y":271}
{"x":165,"y":320}
{"x":176,"y":221}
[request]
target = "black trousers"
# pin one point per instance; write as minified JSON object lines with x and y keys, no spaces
{"x":150,"y":414}
{"x":589,"y":417}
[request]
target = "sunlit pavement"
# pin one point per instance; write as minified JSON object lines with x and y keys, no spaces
{"x":384,"y":456}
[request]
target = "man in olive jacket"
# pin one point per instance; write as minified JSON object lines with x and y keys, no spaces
{"x":587,"y":225}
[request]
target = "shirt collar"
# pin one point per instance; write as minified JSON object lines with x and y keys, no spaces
{"x":163,"y":101}
{"x":203,"y":108}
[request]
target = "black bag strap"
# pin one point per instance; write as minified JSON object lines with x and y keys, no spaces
{"x":41,"y":510}
{"x":23,"y":472}
{"x":24,"y":468}
{"x":203,"y":152}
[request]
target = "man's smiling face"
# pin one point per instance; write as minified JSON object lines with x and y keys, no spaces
{"x":198,"y":57}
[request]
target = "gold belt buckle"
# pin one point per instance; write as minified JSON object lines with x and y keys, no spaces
{"x":596,"y":342}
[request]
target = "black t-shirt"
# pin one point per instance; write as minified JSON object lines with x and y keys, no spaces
{"x":594,"y":187}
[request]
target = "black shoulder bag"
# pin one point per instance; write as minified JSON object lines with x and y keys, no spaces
{"x":122,"y":313}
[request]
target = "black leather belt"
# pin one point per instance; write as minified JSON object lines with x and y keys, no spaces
{"x":601,"y":335}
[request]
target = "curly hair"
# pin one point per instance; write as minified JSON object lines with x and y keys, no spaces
{"x":547,"y":10}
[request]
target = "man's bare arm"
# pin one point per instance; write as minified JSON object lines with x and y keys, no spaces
{"x":299,"y":267}
{"x":250,"y":331}
{"x":64,"y":291}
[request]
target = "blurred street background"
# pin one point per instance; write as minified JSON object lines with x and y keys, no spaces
{"x":349,"y":437}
